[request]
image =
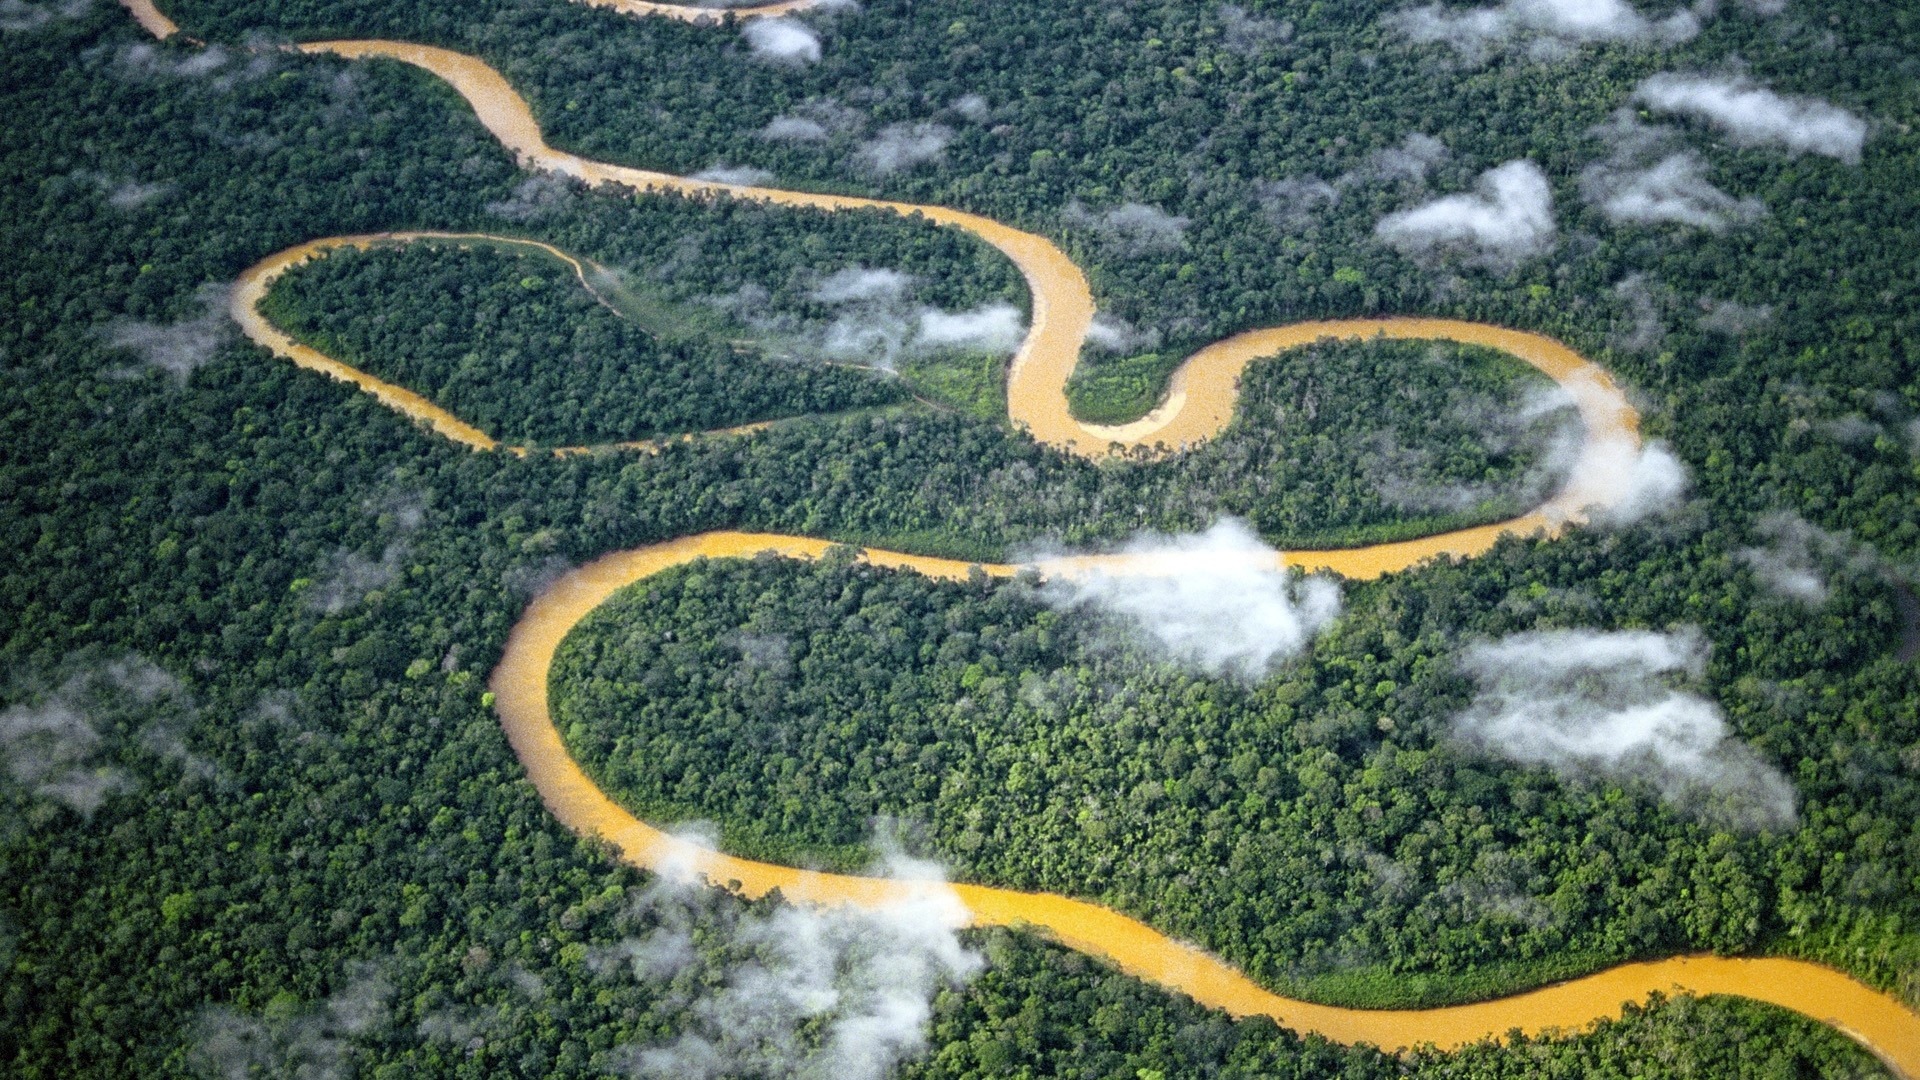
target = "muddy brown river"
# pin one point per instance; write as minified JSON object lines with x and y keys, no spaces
{"x":1200,"y":401}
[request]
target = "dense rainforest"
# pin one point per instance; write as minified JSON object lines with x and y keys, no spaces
{"x":260,"y":818}
{"x":1334,"y":444}
{"x":518,"y":349}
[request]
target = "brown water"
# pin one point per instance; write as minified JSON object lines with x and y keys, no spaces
{"x":151,"y":18}
{"x":254,"y":283}
{"x":1200,"y":401}
{"x":519,"y":684}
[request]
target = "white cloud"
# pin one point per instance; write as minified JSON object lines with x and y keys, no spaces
{"x":1506,"y":219}
{"x":1292,"y":202}
{"x":899,"y":146}
{"x":857,"y":283}
{"x":129,"y":194}
{"x":1799,"y":555}
{"x":835,"y":992}
{"x":1247,"y":33}
{"x":51,"y":748}
{"x":19,"y":15}
{"x":1587,"y":703}
{"x":1219,"y":600}
{"x":125,"y":193}
{"x":49,"y":751}
{"x":1787,"y":568}
{"x":349,"y":577}
{"x":877,"y":321}
{"x":535,"y":197}
{"x":1407,"y":481}
{"x":178,"y":348}
{"x":1644,"y":298}
{"x":782,"y":41}
{"x":971,"y":106}
{"x":1549,"y":28}
{"x":994,"y":328}
{"x":1109,"y":333}
{"x":146,"y":60}
{"x":314,"y":1044}
{"x":737,"y":175}
{"x":1731,"y":317}
{"x":1674,"y":189}
{"x":1630,"y":483}
{"x":793,"y":129}
{"x":1412,"y":160}
{"x":1132,"y":228}
{"x":1756,"y":116}
{"x":813,"y":121}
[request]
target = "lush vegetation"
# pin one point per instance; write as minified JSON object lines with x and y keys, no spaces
{"x":316,"y":783}
{"x":1347,"y":442}
{"x":1184,"y":109}
{"x":514,"y":344}
{"x":1318,"y":828}
{"x":1048,"y":1012}
{"x":1336,"y":444}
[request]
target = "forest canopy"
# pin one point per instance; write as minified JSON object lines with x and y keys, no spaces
{"x":258,"y":812}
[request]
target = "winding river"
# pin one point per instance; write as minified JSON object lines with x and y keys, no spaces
{"x":1200,"y":402}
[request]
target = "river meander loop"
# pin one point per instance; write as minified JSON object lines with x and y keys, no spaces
{"x":1200,"y":401}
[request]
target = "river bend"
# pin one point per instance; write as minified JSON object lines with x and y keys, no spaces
{"x":1199,"y":403}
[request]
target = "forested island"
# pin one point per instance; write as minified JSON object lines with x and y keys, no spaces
{"x":260,"y":816}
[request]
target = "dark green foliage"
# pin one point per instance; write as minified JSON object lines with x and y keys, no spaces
{"x":1342,"y":442}
{"x":1319,"y":829}
{"x":330,"y":586}
{"x":1039,"y":1010}
{"x":513,"y":344}
{"x":1115,"y":391}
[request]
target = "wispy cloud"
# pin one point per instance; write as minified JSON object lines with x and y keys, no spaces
{"x":1648,"y":180}
{"x":1217,"y":600}
{"x":1131,"y":229}
{"x":900,"y":146}
{"x":971,"y":106}
{"x":822,"y":992}
{"x":539,"y":196}
{"x":1247,"y":33}
{"x":50,"y":754}
{"x":17,"y":16}
{"x":178,"y":348}
{"x":1645,"y":329}
{"x":316,"y":1043}
{"x":813,"y":121}
{"x":1547,"y":29}
{"x":860,"y":283}
{"x":738,"y":175}
{"x":1799,"y":558}
{"x":994,"y":328}
{"x":349,"y":576}
{"x":1112,"y":334}
{"x":1410,"y":161}
{"x":1507,"y":218}
{"x":1732,"y":317}
{"x":126,"y":193}
{"x":1292,"y":202}
{"x":52,"y":744}
{"x":877,"y":321}
{"x":1755,"y":116}
{"x":1590,"y":704}
{"x":1544,"y":421}
{"x":782,"y":41}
